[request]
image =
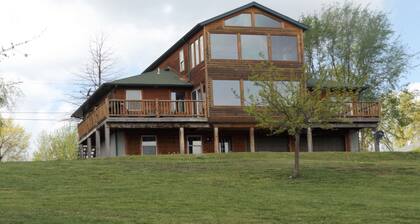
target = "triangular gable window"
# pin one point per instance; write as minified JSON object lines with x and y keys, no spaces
{"x":239,"y":20}
{"x":265,"y":21}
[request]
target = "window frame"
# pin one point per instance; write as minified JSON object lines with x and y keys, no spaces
{"x":197,"y":51}
{"x":238,"y":14}
{"x":192,"y":55}
{"x":268,"y":46}
{"x":181,"y":60}
{"x":141,"y":143}
{"x":240,"y":99}
{"x":281,"y":23}
{"x":298,"y":58}
{"x":242,"y":96}
{"x":201,"y":38}
{"x":254,"y":21}
{"x":238,"y":55}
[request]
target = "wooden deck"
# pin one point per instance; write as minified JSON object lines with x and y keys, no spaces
{"x":144,"y":109}
{"x":162,"y":110}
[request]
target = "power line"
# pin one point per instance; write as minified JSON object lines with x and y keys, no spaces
{"x":34,"y":112}
{"x":39,"y":119}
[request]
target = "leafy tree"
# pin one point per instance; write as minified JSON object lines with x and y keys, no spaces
{"x":287,"y":106}
{"x":59,"y":145}
{"x":14,"y":141}
{"x":355,"y":46}
{"x":401,"y":119}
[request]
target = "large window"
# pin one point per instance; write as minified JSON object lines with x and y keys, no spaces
{"x":224,"y":46}
{"x":149,"y":145}
{"x":226,"y":93}
{"x":284,"y":48}
{"x":239,"y":20}
{"x":254,"y":47}
{"x":286,"y":88}
{"x":265,"y":21}
{"x":181,"y":60}
{"x":251,"y":89}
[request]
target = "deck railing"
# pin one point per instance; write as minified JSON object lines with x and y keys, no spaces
{"x":362,"y":109}
{"x":157,"y":108}
{"x":186,"y":108}
{"x":93,"y":119}
{"x":142,"y":108}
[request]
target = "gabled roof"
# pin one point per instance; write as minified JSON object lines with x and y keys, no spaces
{"x":164,"y":78}
{"x":200,"y":26}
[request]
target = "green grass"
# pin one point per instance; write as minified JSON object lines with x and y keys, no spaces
{"x":234,"y":188}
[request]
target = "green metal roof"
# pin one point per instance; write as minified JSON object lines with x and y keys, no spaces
{"x":164,"y":77}
{"x":331,"y":84}
{"x":153,"y":78}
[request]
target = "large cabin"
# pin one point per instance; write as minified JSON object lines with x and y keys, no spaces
{"x":183,"y":102}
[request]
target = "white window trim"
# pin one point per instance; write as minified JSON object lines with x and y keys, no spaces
{"x":141,"y":143}
{"x":197,"y":52}
{"x":192,"y":55}
{"x":181,"y":60}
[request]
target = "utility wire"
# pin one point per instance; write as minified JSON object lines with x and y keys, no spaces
{"x":34,"y":112}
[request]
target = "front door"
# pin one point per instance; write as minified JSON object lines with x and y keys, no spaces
{"x":195,"y":145}
{"x":225,"y":145}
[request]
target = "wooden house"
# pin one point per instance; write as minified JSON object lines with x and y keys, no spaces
{"x":187,"y":100}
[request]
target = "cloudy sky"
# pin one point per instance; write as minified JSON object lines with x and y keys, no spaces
{"x":138,"y":31}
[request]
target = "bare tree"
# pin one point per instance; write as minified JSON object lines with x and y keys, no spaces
{"x":99,"y":68}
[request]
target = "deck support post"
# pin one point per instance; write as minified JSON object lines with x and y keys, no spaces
{"x":107,"y":139}
{"x":251,"y":139}
{"x":216,"y":139}
{"x":181,"y":140}
{"x":97,"y":142}
{"x":89,"y":147}
{"x":309,"y":140}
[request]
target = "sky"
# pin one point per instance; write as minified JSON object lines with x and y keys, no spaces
{"x":138,"y":32}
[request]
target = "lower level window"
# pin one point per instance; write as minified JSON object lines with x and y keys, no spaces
{"x":148,"y":145}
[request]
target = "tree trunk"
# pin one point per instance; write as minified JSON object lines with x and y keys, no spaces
{"x":297,"y":151}
{"x":309,"y":140}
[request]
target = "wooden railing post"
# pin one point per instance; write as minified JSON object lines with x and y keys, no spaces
{"x":157,"y":107}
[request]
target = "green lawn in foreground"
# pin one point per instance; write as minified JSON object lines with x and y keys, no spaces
{"x":233,"y":188}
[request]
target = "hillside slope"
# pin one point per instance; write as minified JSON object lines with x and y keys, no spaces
{"x":234,"y":188}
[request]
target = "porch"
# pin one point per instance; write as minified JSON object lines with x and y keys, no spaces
{"x":113,"y":140}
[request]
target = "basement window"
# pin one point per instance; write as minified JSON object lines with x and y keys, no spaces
{"x":148,"y":145}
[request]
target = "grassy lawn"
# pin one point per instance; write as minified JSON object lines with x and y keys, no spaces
{"x":234,"y":188}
